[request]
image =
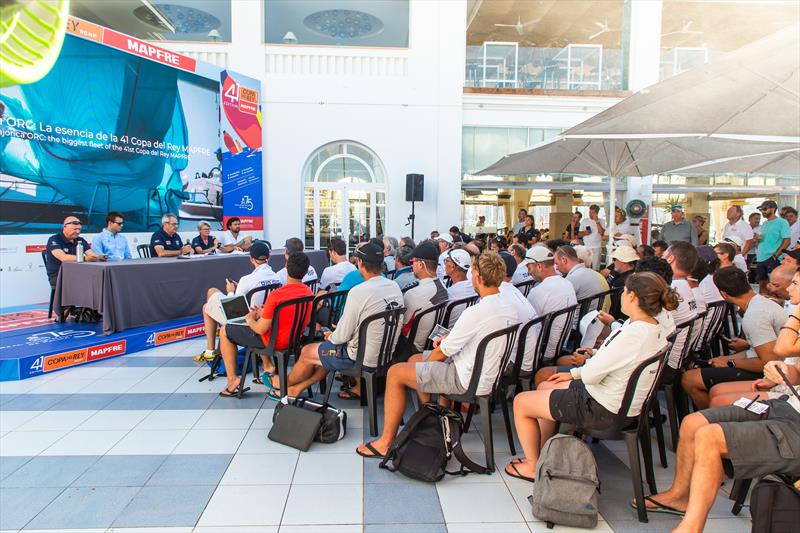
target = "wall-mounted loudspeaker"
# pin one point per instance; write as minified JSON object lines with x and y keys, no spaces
{"x":415,"y":185}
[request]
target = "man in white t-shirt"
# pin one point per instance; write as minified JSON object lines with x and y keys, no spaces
{"x":682,"y":258}
{"x":521,"y":271}
{"x":761,"y":323}
{"x":622,"y":226}
{"x":340,"y":266}
{"x":429,"y":292}
{"x":521,"y":214}
{"x":456,"y":266}
{"x":444,"y":241}
{"x":794,"y":227}
{"x":295,"y":245}
{"x":593,"y":231}
{"x":738,"y":227}
{"x":738,"y":259}
{"x":232,"y":240}
{"x":448,"y":368}
{"x":262,"y":275}
{"x":525,"y":313}
{"x":553,"y":293}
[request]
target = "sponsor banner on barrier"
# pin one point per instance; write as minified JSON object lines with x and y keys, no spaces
{"x":106,"y":350}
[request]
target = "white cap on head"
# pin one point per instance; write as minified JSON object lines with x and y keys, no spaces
{"x":537,"y":254}
{"x":445,"y":237}
{"x":734,"y":239}
{"x":626,"y":254}
{"x":461,"y":258}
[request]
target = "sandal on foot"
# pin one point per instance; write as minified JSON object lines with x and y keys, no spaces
{"x":274,"y":394}
{"x":659,"y":507}
{"x":374,"y":453}
{"x":227,"y":393}
{"x":348,"y":394}
{"x":516,"y":473}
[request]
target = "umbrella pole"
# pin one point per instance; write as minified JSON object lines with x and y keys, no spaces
{"x":610,"y":229}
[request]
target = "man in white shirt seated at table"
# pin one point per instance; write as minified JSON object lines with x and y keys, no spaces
{"x":232,"y":240}
{"x":340,"y":266}
{"x":110,"y":242}
{"x":295,"y":245}
{"x":456,"y":265}
{"x":261,"y":276}
{"x":448,"y":368}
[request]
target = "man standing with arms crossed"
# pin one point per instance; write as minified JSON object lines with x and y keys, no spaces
{"x":775,"y":235}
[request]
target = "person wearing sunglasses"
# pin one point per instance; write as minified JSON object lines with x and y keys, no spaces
{"x":166,"y":242}
{"x":110,"y":242}
{"x":63,"y":248}
{"x":775,"y":238}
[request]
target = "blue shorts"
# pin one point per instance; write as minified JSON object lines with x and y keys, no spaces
{"x":334,"y":357}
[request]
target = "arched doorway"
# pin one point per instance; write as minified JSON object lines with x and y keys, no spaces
{"x":344,"y":195}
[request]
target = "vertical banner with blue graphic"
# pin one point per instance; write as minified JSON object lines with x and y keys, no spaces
{"x":241,"y":150}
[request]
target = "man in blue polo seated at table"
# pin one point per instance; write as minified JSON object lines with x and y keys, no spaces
{"x":166,"y":242}
{"x":63,"y":248}
{"x":110,"y":241}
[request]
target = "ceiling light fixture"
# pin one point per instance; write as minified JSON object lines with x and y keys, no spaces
{"x":161,"y":18}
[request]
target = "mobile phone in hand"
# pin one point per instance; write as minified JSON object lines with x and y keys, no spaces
{"x":235,"y":284}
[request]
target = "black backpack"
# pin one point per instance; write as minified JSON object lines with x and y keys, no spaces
{"x":775,"y":505}
{"x":430,"y":437}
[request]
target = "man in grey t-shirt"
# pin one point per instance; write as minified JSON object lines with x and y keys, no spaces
{"x":679,"y":229}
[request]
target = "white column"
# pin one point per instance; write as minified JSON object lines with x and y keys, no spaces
{"x":645,"y":43}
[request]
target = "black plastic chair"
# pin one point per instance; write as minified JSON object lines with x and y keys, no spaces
{"x":143,"y":250}
{"x":266,"y":289}
{"x":312,"y":284}
{"x":555,"y":345}
{"x":438,"y":312}
{"x":301,"y":316}
{"x":673,"y":392}
{"x":469,"y":301}
{"x":595,"y":302}
{"x":708,"y":342}
{"x":636,"y":433}
{"x":485,"y":402}
{"x":328,"y":309}
{"x":525,"y":286}
{"x":392,"y":321}
{"x":52,"y":289}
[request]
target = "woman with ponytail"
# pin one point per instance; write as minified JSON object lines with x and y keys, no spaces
{"x":590,"y":396}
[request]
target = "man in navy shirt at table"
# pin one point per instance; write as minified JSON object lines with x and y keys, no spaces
{"x":166,"y":242}
{"x":110,"y":241}
{"x":63,"y":248}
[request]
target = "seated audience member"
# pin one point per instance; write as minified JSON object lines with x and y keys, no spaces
{"x":231,"y":239}
{"x":792,"y":258}
{"x":552,"y":293}
{"x":682,"y":258}
{"x":110,"y":242}
{"x":166,"y":242}
{"x":339,"y":349}
{"x":407,"y":241}
{"x":204,"y":243}
{"x":755,"y":444}
{"x":448,"y":368}
{"x":256,"y":333}
{"x":459,"y":235}
{"x":725,"y":253}
{"x":444,"y":242}
{"x":660,"y":247}
{"x":590,"y":396}
{"x":261,"y":276}
{"x":404,"y":275}
{"x":788,"y":342}
{"x":521,"y":274}
{"x":645,"y":250}
{"x":553,"y":245}
{"x":738,"y":259}
{"x":521,"y":239}
{"x":340,"y":266}
{"x":497,"y":244}
{"x":456,"y":266}
{"x":63,"y":248}
{"x":524,"y":312}
{"x":354,"y":277}
{"x":624,"y":259}
{"x":703,"y":273}
{"x":779,"y":286}
{"x":583,"y":280}
{"x":390,"y":246}
{"x":428,"y":293}
{"x":294,"y":245}
{"x":761,"y":324}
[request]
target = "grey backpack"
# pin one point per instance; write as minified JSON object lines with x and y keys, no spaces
{"x":567,"y":484}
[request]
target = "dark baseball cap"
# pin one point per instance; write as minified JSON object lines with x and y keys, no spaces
{"x":767,"y":204}
{"x":511,"y":263}
{"x":259,"y":250}
{"x":370,"y":253}
{"x":426,"y":250}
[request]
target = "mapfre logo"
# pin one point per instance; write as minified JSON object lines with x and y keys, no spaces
{"x":56,"y":336}
{"x":195,"y":331}
{"x":106,"y":350}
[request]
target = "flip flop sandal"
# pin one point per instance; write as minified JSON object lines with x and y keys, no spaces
{"x":374,"y":454}
{"x":516,"y":473}
{"x":227,"y":393}
{"x":347,"y":394}
{"x":659,"y":507}
{"x":272,"y":394}
{"x":264,"y":378}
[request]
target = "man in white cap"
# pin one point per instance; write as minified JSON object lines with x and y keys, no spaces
{"x":445,"y":242}
{"x":624,"y":259}
{"x":738,"y":260}
{"x":679,"y":229}
{"x":738,"y":227}
{"x":553,"y":293}
{"x":456,"y":265}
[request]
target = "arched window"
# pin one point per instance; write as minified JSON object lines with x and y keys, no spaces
{"x":344,"y":186}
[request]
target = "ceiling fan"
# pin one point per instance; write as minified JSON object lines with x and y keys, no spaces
{"x":685,"y":30}
{"x":603,"y":29}
{"x":519,"y":26}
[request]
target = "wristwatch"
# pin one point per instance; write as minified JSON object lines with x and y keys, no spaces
{"x":731,"y":363}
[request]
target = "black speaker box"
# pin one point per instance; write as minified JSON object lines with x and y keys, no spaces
{"x":415,"y":185}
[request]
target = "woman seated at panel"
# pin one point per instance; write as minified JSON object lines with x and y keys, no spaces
{"x":204,"y":243}
{"x":590,"y":396}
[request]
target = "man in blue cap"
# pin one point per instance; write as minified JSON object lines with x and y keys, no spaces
{"x":679,"y":229}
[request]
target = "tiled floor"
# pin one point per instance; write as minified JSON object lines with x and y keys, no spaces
{"x":138,"y":444}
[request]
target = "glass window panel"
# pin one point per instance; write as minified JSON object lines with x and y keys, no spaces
{"x":321,"y":156}
{"x":380,"y":213}
{"x":467,"y":150}
{"x":517,"y":139}
{"x":358,"y":212}
{"x":161,"y":20}
{"x":372,"y":23}
{"x":355,"y":172}
{"x":330,"y":209}
{"x":333,"y":171}
{"x":308,"y":204}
